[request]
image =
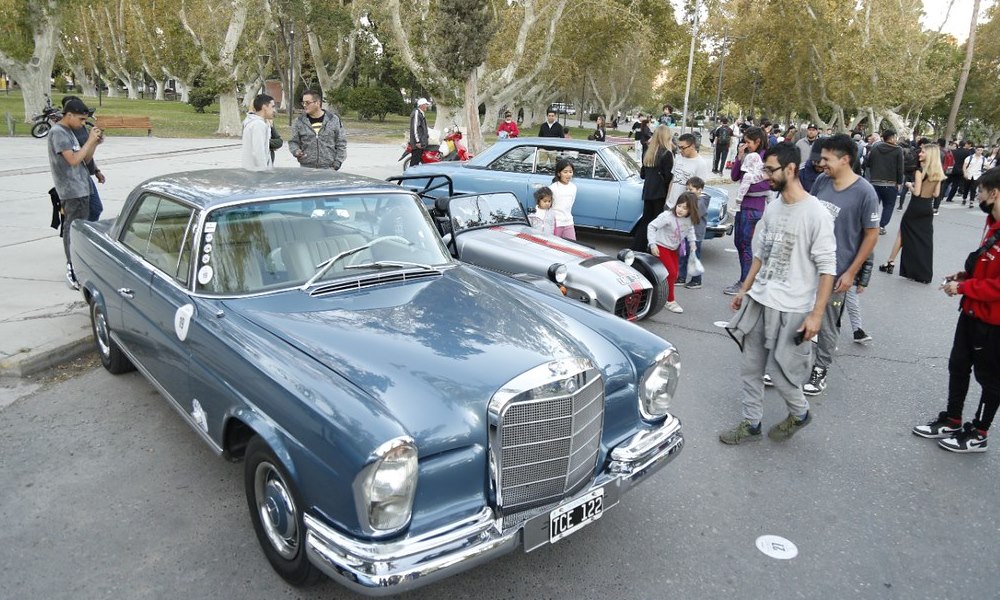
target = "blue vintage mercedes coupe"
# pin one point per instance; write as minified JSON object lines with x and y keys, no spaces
{"x":401,"y":416}
{"x":608,"y":187}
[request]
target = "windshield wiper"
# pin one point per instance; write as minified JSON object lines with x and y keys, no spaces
{"x":395,"y":264}
{"x":327,"y":264}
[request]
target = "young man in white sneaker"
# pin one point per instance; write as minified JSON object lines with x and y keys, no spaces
{"x":977,"y":336}
{"x":781,"y":303}
{"x":855,"y":208}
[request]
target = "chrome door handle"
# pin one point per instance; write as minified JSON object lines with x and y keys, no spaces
{"x":126,"y":293}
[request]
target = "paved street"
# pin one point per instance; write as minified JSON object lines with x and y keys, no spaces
{"x":108,"y":493}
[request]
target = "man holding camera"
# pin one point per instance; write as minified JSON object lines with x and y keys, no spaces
{"x":67,"y":160}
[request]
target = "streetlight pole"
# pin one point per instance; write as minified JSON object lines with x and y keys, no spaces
{"x":687,"y":87}
{"x":291,"y":73}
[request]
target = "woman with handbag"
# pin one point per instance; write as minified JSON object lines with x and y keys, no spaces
{"x":976,"y":347}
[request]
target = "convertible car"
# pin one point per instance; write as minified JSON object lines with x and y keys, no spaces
{"x":401,"y":416}
{"x":609,"y":190}
{"x":493,"y":231}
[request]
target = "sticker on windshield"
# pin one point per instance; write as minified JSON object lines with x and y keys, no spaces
{"x":182,"y":321}
{"x":207,"y":249}
{"x":209,"y":237}
{"x":205,"y":274}
{"x":205,"y":258}
{"x":210,"y":227}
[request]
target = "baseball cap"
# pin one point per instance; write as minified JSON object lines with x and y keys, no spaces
{"x":77,"y":106}
{"x":423,"y":101}
{"x":812,"y":126}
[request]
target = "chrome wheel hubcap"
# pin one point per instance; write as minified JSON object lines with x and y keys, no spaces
{"x":277,"y":510}
{"x":101,"y":332}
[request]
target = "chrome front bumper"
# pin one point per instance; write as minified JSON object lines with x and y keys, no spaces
{"x":385,"y":568}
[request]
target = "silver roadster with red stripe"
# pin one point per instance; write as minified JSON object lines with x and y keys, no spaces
{"x":493,"y":231}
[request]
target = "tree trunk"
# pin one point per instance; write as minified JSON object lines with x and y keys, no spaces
{"x":34,"y":76}
{"x":445,"y":117}
{"x":970,"y":47}
{"x":491,"y":117}
{"x":230,"y":123}
{"x":34,"y":88}
{"x":161,"y":88}
{"x":474,"y":136}
{"x":903,"y":129}
{"x":83,"y":80}
{"x":183,"y":90}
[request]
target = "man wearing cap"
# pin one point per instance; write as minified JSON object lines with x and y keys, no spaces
{"x":67,"y":160}
{"x":805,"y":144}
{"x":419,"y":135}
{"x":96,"y":206}
{"x":318,"y":140}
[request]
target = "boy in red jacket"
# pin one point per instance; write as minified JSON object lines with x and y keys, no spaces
{"x":977,"y":336}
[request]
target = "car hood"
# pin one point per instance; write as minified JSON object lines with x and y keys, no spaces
{"x":432,"y":352}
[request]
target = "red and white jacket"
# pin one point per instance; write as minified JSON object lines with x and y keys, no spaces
{"x":981,"y":291}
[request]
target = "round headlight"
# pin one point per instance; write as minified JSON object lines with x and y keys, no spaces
{"x":558,"y":272}
{"x":658,"y":385}
{"x":627,"y":257}
{"x":384,"y":489}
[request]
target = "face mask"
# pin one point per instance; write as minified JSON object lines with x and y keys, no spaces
{"x":986,"y":208}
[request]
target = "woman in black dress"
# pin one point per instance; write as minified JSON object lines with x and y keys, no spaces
{"x":916,"y":229}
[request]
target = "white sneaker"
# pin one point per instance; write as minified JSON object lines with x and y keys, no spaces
{"x":674,"y":307}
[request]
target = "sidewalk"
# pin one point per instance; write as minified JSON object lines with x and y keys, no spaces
{"x":42,"y":321}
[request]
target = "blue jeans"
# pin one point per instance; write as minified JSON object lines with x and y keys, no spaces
{"x":96,"y":208}
{"x":887,"y":196}
{"x":682,"y":269}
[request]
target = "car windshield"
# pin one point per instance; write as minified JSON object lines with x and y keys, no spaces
{"x":622,"y":162}
{"x":485,"y":210}
{"x":263,"y":246}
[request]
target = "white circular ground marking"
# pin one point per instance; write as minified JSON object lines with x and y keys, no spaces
{"x":721,"y":324}
{"x":777,"y":547}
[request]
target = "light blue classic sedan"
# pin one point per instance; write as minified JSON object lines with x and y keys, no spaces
{"x":609,"y":190}
{"x":401,"y":416}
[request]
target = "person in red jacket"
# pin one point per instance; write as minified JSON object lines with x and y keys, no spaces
{"x":977,"y":336}
{"x":507,"y":127}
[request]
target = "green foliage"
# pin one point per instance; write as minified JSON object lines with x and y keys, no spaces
{"x":458,"y":31}
{"x":204,"y":91}
{"x":338,"y":99}
{"x":376,"y":102}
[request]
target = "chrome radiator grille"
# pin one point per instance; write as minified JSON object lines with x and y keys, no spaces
{"x":546,"y":439}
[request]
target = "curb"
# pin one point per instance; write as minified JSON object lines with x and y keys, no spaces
{"x":37,"y":360}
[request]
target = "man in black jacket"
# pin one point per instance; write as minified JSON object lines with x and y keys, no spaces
{"x":551,"y":127}
{"x":721,"y":137}
{"x":419,"y":134}
{"x":885,"y":172}
{"x":956,"y":178}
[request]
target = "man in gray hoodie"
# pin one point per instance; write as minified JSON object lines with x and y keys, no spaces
{"x":318,"y":140}
{"x":884,"y":167}
{"x":257,"y":134}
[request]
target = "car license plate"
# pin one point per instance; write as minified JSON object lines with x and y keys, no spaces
{"x":567,"y":519}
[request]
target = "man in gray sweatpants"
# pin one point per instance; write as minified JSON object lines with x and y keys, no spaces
{"x":780,"y":304}
{"x":854,"y":205}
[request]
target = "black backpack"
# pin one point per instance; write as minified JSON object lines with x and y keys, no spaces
{"x":910,"y":162}
{"x":723,"y":135}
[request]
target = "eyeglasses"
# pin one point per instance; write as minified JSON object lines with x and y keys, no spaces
{"x":308,"y":102}
{"x":682,"y":148}
{"x":771,"y":170}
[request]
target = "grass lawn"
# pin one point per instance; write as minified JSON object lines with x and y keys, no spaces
{"x":174,"y":119}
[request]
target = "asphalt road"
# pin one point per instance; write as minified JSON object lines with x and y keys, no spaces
{"x":108,"y":494}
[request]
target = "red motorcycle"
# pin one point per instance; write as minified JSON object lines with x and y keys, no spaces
{"x":451,"y":148}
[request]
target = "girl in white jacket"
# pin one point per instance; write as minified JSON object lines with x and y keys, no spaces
{"x":671,"y":235}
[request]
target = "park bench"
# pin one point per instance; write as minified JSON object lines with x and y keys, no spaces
{"x":125,"y":123}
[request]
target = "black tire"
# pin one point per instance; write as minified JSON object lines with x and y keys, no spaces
{"x":112,"y":357}
{"x":40,"y":130}
{"x":276,"y":512}
{"x":653,"y":270}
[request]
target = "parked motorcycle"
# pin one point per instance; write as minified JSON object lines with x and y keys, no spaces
{"x":43,"y":122}
{"x":451,"y":148}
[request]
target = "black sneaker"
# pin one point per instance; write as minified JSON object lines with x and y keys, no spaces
{"x":861,"y":337}
{"x":941,"y":427}
{"x":969,"y":439}
{"x":816,"y":383}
